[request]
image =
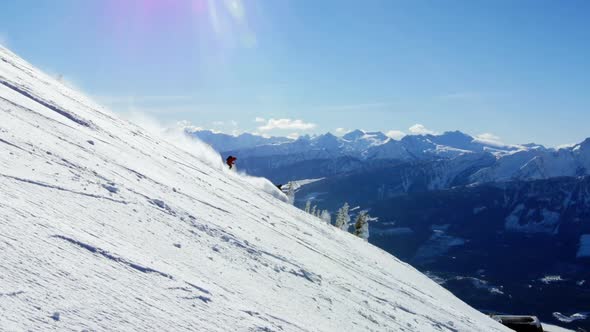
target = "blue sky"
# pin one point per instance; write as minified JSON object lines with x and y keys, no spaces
{"x":516,"y":70}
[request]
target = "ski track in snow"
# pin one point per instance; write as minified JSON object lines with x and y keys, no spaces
{"x":104,"y":227}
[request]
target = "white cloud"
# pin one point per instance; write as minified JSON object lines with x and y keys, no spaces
{"x":488,"y":136}
{"x":218,"y":123}
{"x":265,"y":135}
{"x":566,"y":146}
{"x":293,"y":136}
{"x":419,"y":129}
{"x":286,"y":124}
{"x":341,"y":131}
{"x":234,"y":123}
{"x":188,"y":126}
{"x":489,"y":139}
{"x":395,"y":134}
{"x":259,"y":120}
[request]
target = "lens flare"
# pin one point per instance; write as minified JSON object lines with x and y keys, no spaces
{"x":230,"y":24}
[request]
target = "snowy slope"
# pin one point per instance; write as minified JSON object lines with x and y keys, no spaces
{"x":104,"y":227}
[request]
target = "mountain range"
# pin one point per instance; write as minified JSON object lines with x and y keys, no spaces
{"x":502,"y":226}
{"x":491,"y":162}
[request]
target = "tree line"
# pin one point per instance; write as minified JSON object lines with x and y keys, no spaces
{"x":361,"y":223}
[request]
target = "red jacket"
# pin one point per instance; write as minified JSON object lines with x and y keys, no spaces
{"x":230,"y":161}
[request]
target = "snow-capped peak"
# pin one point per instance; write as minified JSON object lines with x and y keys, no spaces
{"x":354,"y":135}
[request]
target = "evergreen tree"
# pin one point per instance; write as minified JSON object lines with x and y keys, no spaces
{"x":308,"y":206}
{"x":342,"y":218}
{"x":313,"y":209}
{"x":326,"y":217}
{"x":361,"y":226}
{"x":338,"y":220}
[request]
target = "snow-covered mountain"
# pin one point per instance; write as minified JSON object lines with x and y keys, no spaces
{"x":428,"y":147}
{"x":314,"y":147}
{"x":360,"y":140}
{"x":105,"y":227}
{"x":360,"y":151}
{"x":538,"y":163}
{"x":513,"y":162}
{"x":365,"y":145}
{"x":224,"y":142}
{"x":328,"y":155}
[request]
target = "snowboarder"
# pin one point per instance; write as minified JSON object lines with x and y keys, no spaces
{"x":230,"y":161}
